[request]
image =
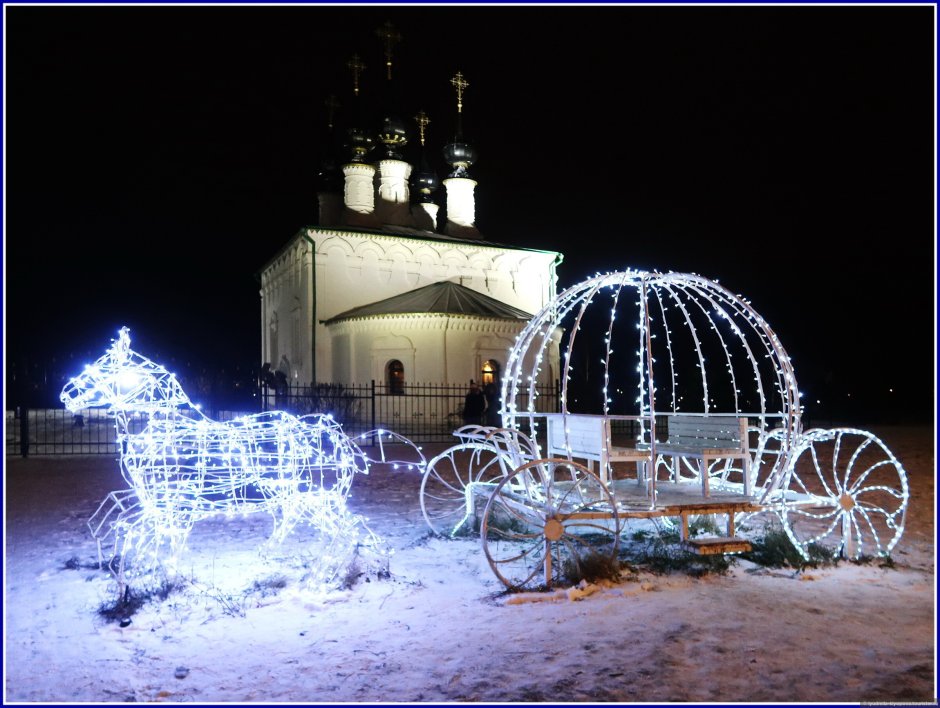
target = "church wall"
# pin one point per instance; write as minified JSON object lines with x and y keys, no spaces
{"x":381,"y":266}
{"x":432,"y":348}
{"x":287,"y":294}
{"x":329,"y":272}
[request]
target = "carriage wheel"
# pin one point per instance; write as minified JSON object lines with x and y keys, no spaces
{"x":548,"y":522}
{"x":452,"y":481}
{"x":845,"y":493}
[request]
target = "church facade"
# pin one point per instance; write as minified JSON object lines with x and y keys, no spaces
{"x":323,"y":273}
{"x":384,"y":290}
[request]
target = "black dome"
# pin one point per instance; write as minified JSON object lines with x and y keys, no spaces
{"x":394,"y":137}
{"x":461,"y":156}
{"x":359,"y":143}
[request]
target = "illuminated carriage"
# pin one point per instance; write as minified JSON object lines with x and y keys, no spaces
{"x":688,"y":404}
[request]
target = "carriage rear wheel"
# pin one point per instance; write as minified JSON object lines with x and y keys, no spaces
{"x":452,"y":482}
{"x":550,"y":522}
{"x":846,"y":494}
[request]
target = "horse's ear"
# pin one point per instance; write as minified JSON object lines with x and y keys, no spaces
{"x":122,"y":345}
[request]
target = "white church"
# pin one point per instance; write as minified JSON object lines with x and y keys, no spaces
{"x":385,"y":288}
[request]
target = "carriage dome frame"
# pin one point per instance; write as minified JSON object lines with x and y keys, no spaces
{"x":680,"y":320}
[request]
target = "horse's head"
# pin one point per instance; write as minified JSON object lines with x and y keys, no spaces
{"x":123,"y":380}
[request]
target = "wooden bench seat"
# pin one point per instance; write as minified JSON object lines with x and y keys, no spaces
{"x":581,"y":436}
{"x":702,"y":438}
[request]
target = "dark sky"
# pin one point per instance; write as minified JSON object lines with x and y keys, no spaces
{"x":157,"y":157}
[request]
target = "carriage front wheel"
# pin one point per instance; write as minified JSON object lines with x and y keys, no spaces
{"x":454,"y":480}
{"x":550,"y":522}
{"x":845,"y":494}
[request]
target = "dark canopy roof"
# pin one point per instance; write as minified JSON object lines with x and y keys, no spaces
{"x":443,"y":298}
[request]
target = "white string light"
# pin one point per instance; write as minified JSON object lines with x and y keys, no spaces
{"x":181,"y":466}
{"x":707,"y":312}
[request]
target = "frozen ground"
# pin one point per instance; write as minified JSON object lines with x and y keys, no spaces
{"x":439,"y":627}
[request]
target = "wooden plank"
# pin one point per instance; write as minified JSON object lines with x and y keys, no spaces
{"x":628,"y":454}
{"x":697,"y":427}
{"x":717,"y":545}
{"x":583,"y":436}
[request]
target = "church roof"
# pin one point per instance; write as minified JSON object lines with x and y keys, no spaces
{"x":444,"y":298}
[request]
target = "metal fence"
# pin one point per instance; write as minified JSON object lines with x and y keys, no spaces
{"x":420,"y":412}
{"x":55,"y":431}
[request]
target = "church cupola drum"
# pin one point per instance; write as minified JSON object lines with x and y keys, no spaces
{"x":459,"y":154}
{"x":392,"y":205}
{"x":358,"y":194}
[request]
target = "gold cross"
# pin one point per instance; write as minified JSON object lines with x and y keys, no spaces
{"x":357,"y":67}
{"x":461,"y":84}
{"x":422,"y":120}
{"x":391,"y":36}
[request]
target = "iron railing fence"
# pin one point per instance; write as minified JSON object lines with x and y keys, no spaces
{"x":420,"y":412}
{"x":55,"y":431}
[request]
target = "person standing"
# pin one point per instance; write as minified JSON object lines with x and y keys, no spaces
{"x":474,"y":403}
{"x":491,"y":393}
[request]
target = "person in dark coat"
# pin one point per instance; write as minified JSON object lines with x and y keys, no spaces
{"x":474,"y":403}
{"x":491,"y":393}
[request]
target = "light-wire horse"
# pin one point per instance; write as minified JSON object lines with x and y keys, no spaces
{"x":181,"y":466}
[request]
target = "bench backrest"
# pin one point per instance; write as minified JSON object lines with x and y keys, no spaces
{"x":708,"y":431}
{"x":585,"y":435}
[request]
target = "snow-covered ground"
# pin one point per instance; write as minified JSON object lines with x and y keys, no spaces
{"x":438,"y":627}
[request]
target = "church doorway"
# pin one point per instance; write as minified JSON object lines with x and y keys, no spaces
{"x":395,"y":377}
{"x":490,"y":372}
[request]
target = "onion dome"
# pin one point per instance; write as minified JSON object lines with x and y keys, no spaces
{"x":358,"y":143}
{"x":393,"y":138}
{"x":460,"y":156}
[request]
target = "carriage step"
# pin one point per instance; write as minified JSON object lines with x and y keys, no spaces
{"x":716,"y":545}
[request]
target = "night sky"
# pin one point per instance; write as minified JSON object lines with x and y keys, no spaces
{"x":158,"y":157}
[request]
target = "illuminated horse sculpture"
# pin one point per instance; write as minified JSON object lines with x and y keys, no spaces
{"x":181,"y":466}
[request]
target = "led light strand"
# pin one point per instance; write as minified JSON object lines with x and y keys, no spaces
{"x":183,"y":467}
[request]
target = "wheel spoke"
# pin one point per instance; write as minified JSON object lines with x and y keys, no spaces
{"x":862,"y":477}
{"x":864,"y":512}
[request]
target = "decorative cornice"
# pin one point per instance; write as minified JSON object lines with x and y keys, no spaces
{"x":318,"y":235}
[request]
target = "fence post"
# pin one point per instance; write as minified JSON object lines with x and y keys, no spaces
{"x":24,"y":431}
{"x":372,"y":425}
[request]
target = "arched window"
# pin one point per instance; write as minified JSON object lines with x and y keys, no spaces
{"x":490,"y":373}
{"x":395,"y":377}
